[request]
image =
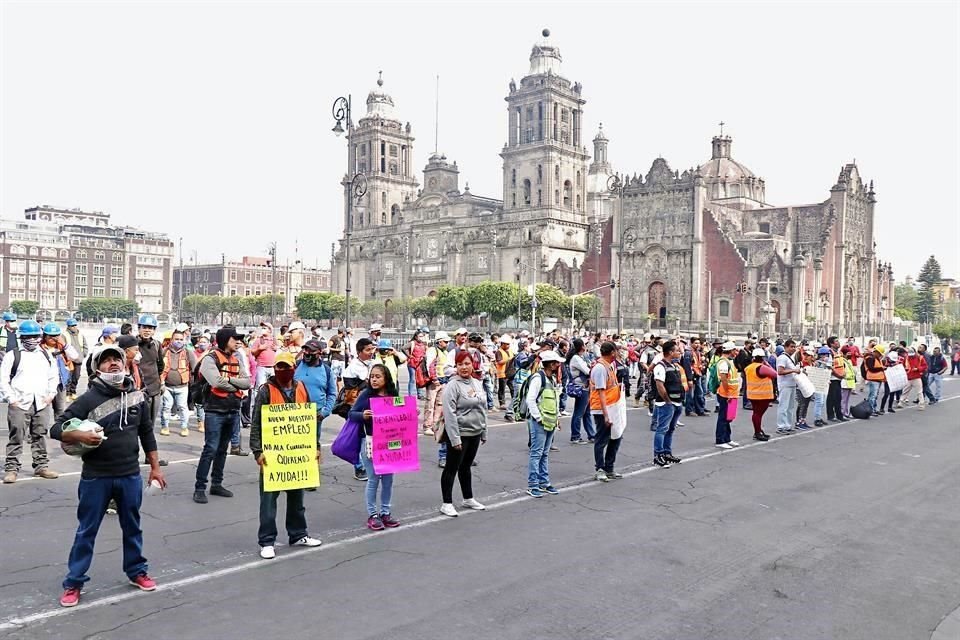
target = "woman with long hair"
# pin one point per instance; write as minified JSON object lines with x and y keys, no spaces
{"x":380,"y":384}
{"x":578,"y":372}
{"x":465,"y":429}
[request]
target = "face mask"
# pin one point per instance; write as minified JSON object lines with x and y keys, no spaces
{"x":202,"y":347}
{"x":674,"y":359}
{"x":138,"y":357}
{"x":30,"y":344}
{"x":423,"y":339}
{"x":113,"y":379}
{"x":311,"y":358}
{"x":177,"y":344}
{"x":283,"y":376}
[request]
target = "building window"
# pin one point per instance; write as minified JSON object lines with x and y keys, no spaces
{"x":539,"y":174}
{"x":724,"y":308}
{"x":256,"y":291}
{"x":233,"y":275}
{"x":79,"y":292}
{"x":578,"y":179}
{"x":47,"y":252}
{"x":539,"y":197}
{"x":269,"y":278}
{"x":567,"y":193}
{"x":258,"y":277}
{"x":116,"y":270}
{"x":34,"y":251}
{"x":116,"y":293}
{"x":64,"y":254}
{"x":513,"y":179}
{"x":81,"y":254}
{"x":247,"y":277}
{"x":80,"y":269}
{"x":513,"y":199}
{"x":99,"y":269}
{"x":98,"y":292}
{"x":17,"y":250}
{"x":19,"y":266}
{"x":556,"y":173}
{"x":117,"y":257}
{"x":556,"y":197}
{"x":578,"y":202}
{"x":526,"y":191}
{"x":99,"y":280}
{"x":116,"y":282}
{"x":233,"y":291}
{"x":564,"y":116}
{"x":393,"y":151}
{"x":246,"y":291}
{"x":764,"y":227}
{"x":308,"y":281}
{"x":99,"y":255}
{"x":64,"y":267}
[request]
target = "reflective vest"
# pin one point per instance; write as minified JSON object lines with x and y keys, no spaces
{"x":436,"y":362}
{"x":229,"y":366}
{"x":505,"y":356}
{"x":6,"y":337}
{"x":758,"y":388}
{"x":183,"y":365}
{"x":683,"y":380}
{"x":673,"y":383}
{"x":611,"y":394}
{"x":875,"y":362}
{"x":849,"y":375}
{"x":730,"y":389}
{"x":300,"y":395}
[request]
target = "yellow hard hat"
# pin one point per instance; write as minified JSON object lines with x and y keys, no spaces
{"x":880,"y":349}
{"x":168,"y":335}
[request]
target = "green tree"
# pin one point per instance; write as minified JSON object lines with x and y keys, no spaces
{"x":905,"y":298}
{"x":586,"y":308}
{"x":930,"y":273}
{"x":496,"y":299}
{"x":315,"y":306}
{"x":925,"y":307}
{"x":947,"y":329}
{"x":97,"y":309}
{"x":25,"y":308}
{"x":452,"y":302}
{"x":424,"y":308}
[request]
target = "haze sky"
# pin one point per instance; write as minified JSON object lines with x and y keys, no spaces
{"x":212,"y":121}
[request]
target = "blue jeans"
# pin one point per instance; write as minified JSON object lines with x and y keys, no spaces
{"x":488,"y":391}
{"x":538,"y":467}
{"x":666,"y":417}
{"x":582,"y":416}
{"x":873,"y":390}
{"x":935,"y":386}
{"x":695,"y":402}
{"x":786,"y":410}
{"x":175,"y":397}
{"x":295,"y":521}
{"x":373,"y":480}
{"x":723,"y":433}
{"x":819,"y":403}
{"x":95,"y":494}
{"x":218,"y":429}
{"x":412,"y":382}
{"x":604,"y":447}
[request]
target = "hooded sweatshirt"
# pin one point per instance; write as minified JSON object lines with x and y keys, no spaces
{"x":464,"y":409}
{"x":127,"y":424}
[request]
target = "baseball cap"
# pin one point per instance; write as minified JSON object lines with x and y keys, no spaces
{"x":110,"y":330}
{"x":384,"y":344}
{"x":285,"y":357}
{"x":109,"y":350}
{"x":297,"y":325}
{"x":442,"y":335}
{"x":125,"y":342}
{"x":461,"y":331}
{"x":758,"y":353}
{"x":729,"y":345}
{"x":376,"y":326}
{"x":313,"y":345}
{"x":505,"y":339}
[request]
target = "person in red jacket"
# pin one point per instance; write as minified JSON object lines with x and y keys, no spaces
{"x":916,"y":366}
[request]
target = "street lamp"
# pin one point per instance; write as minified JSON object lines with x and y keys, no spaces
{"x":616,"y":186}
{"x":358,"y":187}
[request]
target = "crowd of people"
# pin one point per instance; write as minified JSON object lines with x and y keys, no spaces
{"x":138,"y":380}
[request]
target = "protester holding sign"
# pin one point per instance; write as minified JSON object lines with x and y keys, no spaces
{"x":280,"y":389}
{"x":380,"y":384}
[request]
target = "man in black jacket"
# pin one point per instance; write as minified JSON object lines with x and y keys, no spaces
{"x":111,"y":470}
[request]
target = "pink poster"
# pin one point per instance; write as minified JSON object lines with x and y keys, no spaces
{"x":395,"y":423}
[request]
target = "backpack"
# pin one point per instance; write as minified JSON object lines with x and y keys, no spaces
{"x":511,"y":369}
{"x":548,"y":404}
{"x":199,"y":387}
{"x":713,"y":378}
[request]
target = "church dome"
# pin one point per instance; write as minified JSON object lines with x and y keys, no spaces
{"x":545,"y":58}
{"x":721,"y":166}
{"x":379,"y":102}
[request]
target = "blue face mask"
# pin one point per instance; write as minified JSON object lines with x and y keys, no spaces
{"x":177,"y":344}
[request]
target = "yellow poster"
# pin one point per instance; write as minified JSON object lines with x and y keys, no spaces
{"x":289,"y":434}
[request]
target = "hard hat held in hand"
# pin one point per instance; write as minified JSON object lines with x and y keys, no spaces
{"x":79,"y":448}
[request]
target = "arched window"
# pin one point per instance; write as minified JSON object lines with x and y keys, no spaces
{"x":394,"y":214}
{"x":724,"y":308}
{"x":383,"y":217}
{"x":539,"y":174}
{"x":556,"y":196}
{"x":556,"y":173}
{"x":64,"y":253}
{"x":82,"y":253}
{"x":513,"y":178}
{"x":578,"y":202}
{"x":47,"y":252}
{"x":539,"y":197}
{"x":578,"y":179}
{"x":99,"y":255}
{"x":567,"y":193}
{"x":526,"y":191}
{"x":34,"y":251}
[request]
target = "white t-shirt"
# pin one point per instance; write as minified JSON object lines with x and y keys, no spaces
{"x":786,"y":362}
{"x":660,"y":373}
{"x":723,"y":366}
{"x":599,"y":376}
{"x":358,"y":368}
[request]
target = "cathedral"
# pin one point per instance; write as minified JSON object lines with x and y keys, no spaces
{"x":688,"y":249}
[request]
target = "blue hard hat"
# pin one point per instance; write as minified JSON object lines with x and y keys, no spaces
{"x":71,"y":322}
{"x":9,"y":316}
{"x":29,"y":328}
{"x":147,"y":320}
{"x":384,"y":344}
{"x":824,"y":351}
{"x":51,"y":329}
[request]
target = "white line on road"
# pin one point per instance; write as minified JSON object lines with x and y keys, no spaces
{"x":18,"y":622}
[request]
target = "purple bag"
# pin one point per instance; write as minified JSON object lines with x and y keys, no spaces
{"x":346,"y":446}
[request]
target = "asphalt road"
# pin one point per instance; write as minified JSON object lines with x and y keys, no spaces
{"x":847,"y":531}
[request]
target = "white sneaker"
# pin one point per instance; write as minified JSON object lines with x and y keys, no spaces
{"x":602,"y":476}
{"x":307,"y":541}
{"x":566,"y":414}
{"x":473,"y":504}
{"x":447,"y":509}
{"x":680,"y":424}
{"x":724,"y":446}
{"x":268,"y":553}
{"x":734,"y":443}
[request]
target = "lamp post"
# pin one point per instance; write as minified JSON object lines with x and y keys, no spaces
{"x":616,"y":186}
{"x":358,"y":188}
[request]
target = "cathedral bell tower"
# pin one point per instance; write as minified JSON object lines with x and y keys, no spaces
{"x":544,"y":160}
{"x":381,"y":147}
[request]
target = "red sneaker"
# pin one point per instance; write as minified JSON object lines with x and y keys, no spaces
{"x":144,"y":582}
{"x":70,"y":597}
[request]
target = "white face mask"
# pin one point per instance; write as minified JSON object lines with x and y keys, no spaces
{"x":113,"y":379}
{"x":138,"y":357}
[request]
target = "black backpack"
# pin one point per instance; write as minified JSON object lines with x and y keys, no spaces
{"x":199,"y":388}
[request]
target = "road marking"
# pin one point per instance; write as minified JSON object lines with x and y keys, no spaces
{"x":515,"y":497}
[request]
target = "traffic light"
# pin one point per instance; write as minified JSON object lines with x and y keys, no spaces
{"x":613,"y":284}
{"x":742,"y":287}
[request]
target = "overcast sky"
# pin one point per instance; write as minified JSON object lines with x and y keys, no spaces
{"x":212,"y":121}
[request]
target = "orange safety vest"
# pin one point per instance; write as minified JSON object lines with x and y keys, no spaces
{"x":876,"y":376}
{"x":300,"y":395}
{"x":230,"y":366}
{"x":183,"y":366}
{"x":730,"y":389}
{"x":758,"y":388}
{"x":502,"y":364}
{"x":611,"y":394}
{"x":683,"y":380}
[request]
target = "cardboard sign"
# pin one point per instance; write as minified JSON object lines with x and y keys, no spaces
{"x":820,"y":378}
{"x":289,"y":434}
{"x":896,"y":378}
{"x":395,"y":423}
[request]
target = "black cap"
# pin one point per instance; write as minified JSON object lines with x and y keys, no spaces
{"x":225,"y":333}
{"x":313,"y":345}
{"x":127,"y":341}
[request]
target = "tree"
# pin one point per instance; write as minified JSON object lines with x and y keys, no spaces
{"x":315,"y":306}
{"x":905,"y":297}
{"x":947,"y":329}
{"x":424,"y":308}
{"x":586,"y":308}
{"x":452,"y":302}
{"x":25,"y":308}
{"x":925,"y":307}
{"x":97,"y":309}
{"x":496,"y":299}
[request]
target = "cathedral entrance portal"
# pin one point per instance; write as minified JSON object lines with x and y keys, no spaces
{"x":657,"y":303}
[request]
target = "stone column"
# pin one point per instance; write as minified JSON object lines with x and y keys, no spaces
{"x":799,"y":266}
